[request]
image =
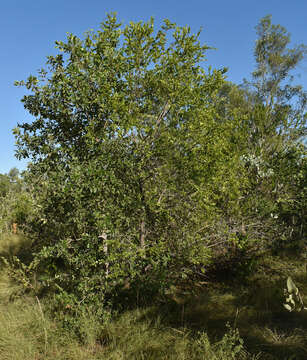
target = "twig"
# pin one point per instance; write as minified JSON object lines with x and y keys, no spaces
{"x":217,"y":243}
{"x":164,"y":112}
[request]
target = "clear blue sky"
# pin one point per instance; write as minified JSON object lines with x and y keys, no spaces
{"x":28,"y":29}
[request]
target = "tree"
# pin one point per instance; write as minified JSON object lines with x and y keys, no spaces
{"x":279,"y":116}
{"x":13,"y":174}
{"x":279,"y":121}
{"x":276,"y":127}
{"x":15,"y":201}
{"x":272,"y":126}
{"x":131,"y":162}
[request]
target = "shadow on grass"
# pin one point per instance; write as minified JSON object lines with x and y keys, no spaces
{"x":256,"y":309}
{"x":253,"y":306}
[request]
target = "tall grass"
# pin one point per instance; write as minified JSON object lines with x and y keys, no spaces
{"x":194,"y":329}
{"x":25,"y":334}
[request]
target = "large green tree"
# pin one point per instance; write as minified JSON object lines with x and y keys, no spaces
{"x":132,"y":163}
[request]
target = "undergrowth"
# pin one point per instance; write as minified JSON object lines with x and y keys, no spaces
{"x":222,"y":320}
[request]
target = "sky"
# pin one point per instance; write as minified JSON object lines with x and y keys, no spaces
{"x":29,"y":28}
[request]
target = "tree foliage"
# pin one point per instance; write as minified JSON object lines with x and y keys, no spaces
{"x":131,"y":158}
{"x":144,"y":166}
{"x":280,"y":114}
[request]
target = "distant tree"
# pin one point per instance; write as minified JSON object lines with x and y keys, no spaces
{"x":271,"y":132}
{"x":279,"y":106}
{"x":15,"y":201}
{"x":13,"y":174}
{"x":4,"y":184}
{"x":276,"y":126}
